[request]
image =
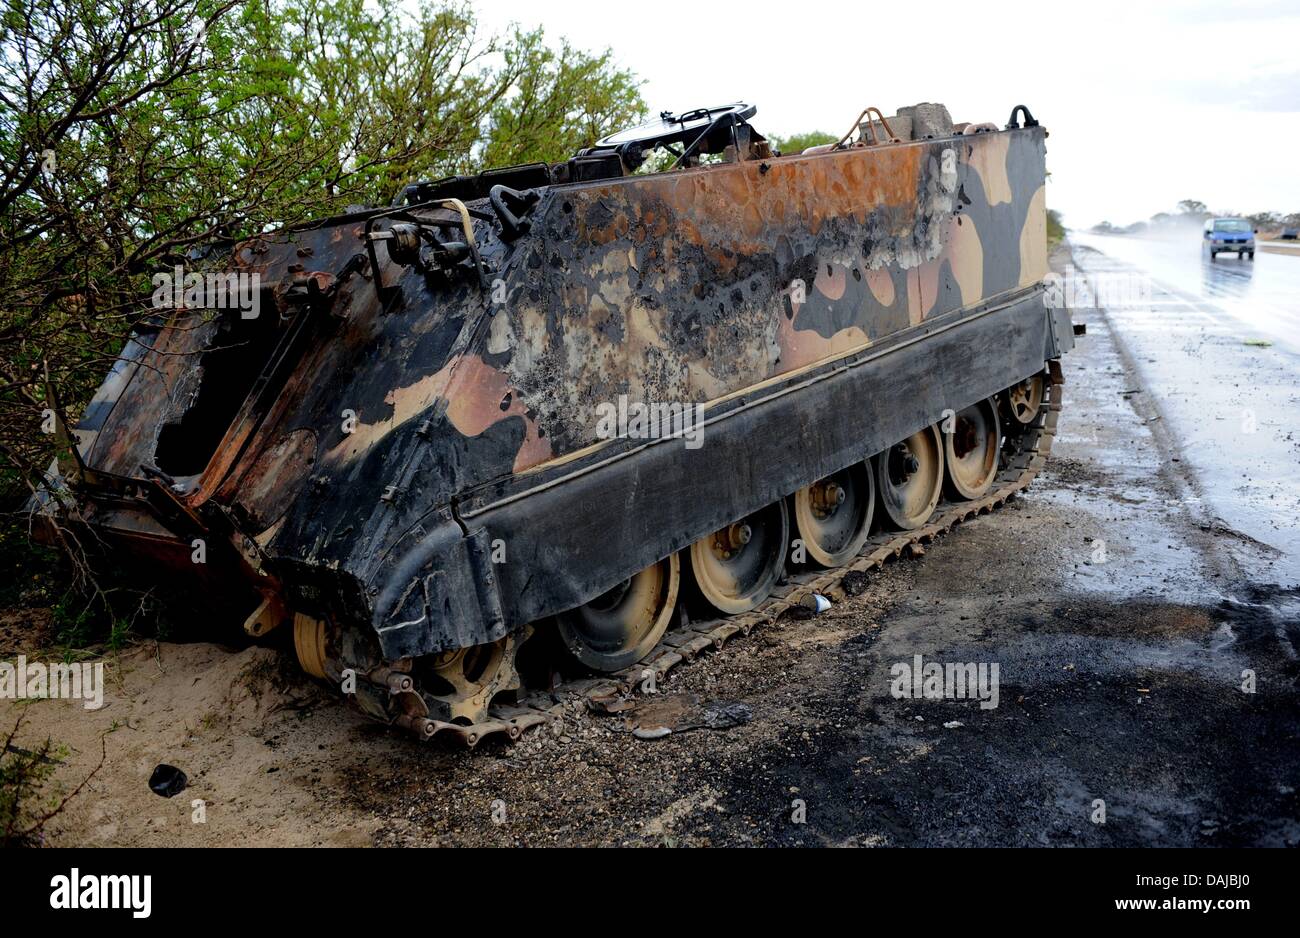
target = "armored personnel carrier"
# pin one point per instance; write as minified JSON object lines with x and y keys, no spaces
{"x":583,"y":405}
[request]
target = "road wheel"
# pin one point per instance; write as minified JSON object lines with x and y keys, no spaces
{"x":737,"y":567}
{"x":909,"y":479}
{"x":971,"y":450}
{"x":1252,"y":255}
{"x":310,"y":643}
{"x":833,"y":517}
{"x":619,"y":628}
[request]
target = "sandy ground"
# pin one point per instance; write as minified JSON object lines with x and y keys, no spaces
{"x":1119,"y":682}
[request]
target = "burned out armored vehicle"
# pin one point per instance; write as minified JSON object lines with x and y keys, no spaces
{"x":582,"y":403}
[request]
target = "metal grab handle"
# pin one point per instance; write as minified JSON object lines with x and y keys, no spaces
{"x":513,"y":227}
{"x":857,"y":125}
{"x":1013,"y":124}
{"x":893,"y":137}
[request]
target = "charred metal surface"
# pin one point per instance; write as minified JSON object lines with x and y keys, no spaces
{"x":366,"y":444}
{"x":567,"y":525}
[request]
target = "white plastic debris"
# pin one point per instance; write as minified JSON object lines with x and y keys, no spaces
{"x":817,"y":603}
{"x":658,"y":732}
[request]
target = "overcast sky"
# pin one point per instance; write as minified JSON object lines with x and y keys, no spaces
{"x":1147,"y":103}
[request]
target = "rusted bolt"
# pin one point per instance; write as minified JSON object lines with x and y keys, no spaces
{"x":832,"y":495}
{"x":399,"y":683}
{"x":420,"y":726}
{"x":731,"y":539}
{"x":828,"y":496}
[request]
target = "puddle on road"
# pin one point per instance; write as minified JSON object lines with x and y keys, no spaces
{"x":1127,"y":546}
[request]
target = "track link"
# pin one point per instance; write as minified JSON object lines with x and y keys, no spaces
{"x":1023,"y":457}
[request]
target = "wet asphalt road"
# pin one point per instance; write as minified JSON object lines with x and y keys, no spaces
{"x":1215,"y":348}
{"x":1259,"y":298}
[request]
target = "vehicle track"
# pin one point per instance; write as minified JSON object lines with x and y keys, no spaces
{"x":1023,"y":457}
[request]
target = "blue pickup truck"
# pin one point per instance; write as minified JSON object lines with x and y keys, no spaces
{"x":1228,"y":236}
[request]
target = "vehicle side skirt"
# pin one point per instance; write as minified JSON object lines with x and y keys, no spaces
{"x":537,"y":552}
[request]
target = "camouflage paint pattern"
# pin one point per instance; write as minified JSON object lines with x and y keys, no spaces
{"x":703,"y":286}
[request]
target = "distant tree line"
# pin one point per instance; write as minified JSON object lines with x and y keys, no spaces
{"x":1193,"y":211}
